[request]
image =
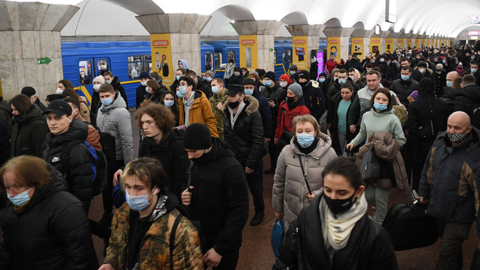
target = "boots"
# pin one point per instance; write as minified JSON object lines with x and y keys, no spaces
{"x":257,"y":219}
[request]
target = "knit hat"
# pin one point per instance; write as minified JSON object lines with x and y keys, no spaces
{"x":254,"y":72}
{"x":248,"y":81}
{"x":197,"y":137}
{"x":28,"y":91}
{"x":99,"y":79}
{"x":144,"y":75}
{"x":304,"y":74}
{"x":414,"y":94}
{"x":234,"y":81}
{"x":460,"y":64}
{"x":285,"y":78}
{"x":422,"y":64}
{"x":296,"y":89}
{"x":293,"y":67}
{"x":271,"y":75}
{"x":234,"y":89}
{"x":237,"y":69}
{"x":210,"y":73}
{"x":323,"y":74}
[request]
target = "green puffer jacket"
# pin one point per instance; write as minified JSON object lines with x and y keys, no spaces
{"x":214,"y":100}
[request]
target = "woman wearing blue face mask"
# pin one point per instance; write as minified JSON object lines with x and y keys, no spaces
{"x":154,"y":91}
{"x":43,"y":221}
{"x":380,"y":118}
{"x":170,"y":101}
{"x":307,"y":154}
{"x":178,"y":73}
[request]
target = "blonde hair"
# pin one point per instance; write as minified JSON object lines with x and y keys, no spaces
{"x":149,"y":171}
{"x":32,"y":170}
{"x":306,"y":118}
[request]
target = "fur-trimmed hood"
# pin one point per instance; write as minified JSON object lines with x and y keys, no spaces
{"x":252,"y":104}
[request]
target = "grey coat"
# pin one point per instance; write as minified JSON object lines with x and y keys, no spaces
{"x":115,"y":120}
{"x":289,"y":188}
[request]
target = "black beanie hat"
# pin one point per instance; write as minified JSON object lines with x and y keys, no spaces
{"x":271,"y":76}
{"x":197,"y":137}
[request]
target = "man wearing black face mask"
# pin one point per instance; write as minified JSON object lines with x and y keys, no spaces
{"x":244,"y":134}
{"x":312,"y":94}
{"x":449,"y":181}
{"x":217,"y":196}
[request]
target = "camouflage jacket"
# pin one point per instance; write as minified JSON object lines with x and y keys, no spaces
{"x":214,"y":100}
{"x":155,"y":251}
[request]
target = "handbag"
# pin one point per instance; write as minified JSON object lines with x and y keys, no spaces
{"x":370,"y":165}
{"x":277,"y":235}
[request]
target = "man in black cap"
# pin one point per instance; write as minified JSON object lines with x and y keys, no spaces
{"x":244,"y":134}
{"x":67,"y":132}
{"x":275,"y":95}
{"x":32,"y":95}
{"x":312,"y":94}
{"x":217,"y":196}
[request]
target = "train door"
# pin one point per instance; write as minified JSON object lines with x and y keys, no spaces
{"x":287,"y":58}
{"x":88,"y":69}
{"x":209,"y":64}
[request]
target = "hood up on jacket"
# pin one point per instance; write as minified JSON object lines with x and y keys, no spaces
{"x":426,"y":87}
{"x":184,"y":64}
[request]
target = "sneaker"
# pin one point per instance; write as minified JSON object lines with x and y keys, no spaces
{"x":269,"y":171}
{"x":106,"y":220}
{"x":257,"y":219}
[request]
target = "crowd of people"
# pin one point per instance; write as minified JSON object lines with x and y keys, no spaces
{"x":184,"y":201}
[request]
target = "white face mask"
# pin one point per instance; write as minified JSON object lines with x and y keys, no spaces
{"x":96,"y":87}
{"x":59,"y":91}
{"x":283,"y":84}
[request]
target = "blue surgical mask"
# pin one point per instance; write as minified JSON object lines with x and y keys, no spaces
{"x":342,"y":81}
{"x":305,"y":139}
{"x":204,"y":78}
{"x":382,"y":60}
{"x":405,"y":77}
{"x":177,"y":77}
{"x":474,"y":70}
{"x":449,"y":84}
{"x":248,"y":92}
{"x":267,"y":83}
{"x":380,"y":107}
{"x":182,"y":90}
{"x":20,"y":199}
{"x":107,"y":101}
{"x":208,"y":79}
{"x":321,"y":80}
{"x":215,"y":89}
{"x":169,"y":103}
{"x":109,"y":82}
{"x":292,"y":72}
{"x":139,"y":203}
{"x":148,"y":91}
{"x":444,"y":61}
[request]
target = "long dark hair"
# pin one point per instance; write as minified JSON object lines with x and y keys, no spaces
{"x":21,"y":103}
{"x":174,"y":107}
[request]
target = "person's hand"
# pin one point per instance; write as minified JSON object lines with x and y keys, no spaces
{"x":350,"y":146}
{"x":106,"y":267}
{"x":329,"y":126}
{"x":311,"y":196}
{"x":219,"y":106}
{"x":248,"y":170}
{"x":187,"y":196}
{"x":212,"y":258}
{"x":353,"y":128}
{"x":271,"y":103}
{"x":275,"y":141}
{"x":422,"y":200}
{"x":279,"y":215}
{"x":116,"y":177}
{"x":267,"y":139}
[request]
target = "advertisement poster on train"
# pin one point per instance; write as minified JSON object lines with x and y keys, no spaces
{"x":375,"y":45}
{"x":357,"y":47}
{"x":410,"y":43}
{"x":333,"y":48}
{"x":389,"y":46}
{"x":162,"y":57}
{"x":401,"y":43}
{"x":300,"y":52}
{"x":248,"y":52}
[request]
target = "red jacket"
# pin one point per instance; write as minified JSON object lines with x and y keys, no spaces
{"x":331,"y":65}
{"x":289,"y":115}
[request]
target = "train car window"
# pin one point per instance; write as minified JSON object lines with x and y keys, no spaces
{"x":102,"y":66}
{"x":85,"y":72}
{"x":275,"y":56}
{"x":137,"y":64}
{"x":284,"y":55}
{"x":231,"y":55}
{"x":218,"y":60}
{"x":208,"y":61}
{"x":289,"y":55}
{"x":147,"y":63}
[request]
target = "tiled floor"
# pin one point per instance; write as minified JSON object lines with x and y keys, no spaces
{"x":256,"y":251}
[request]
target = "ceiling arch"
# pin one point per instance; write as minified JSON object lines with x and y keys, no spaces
{"x":236,"y":13}
{"x":295,"y":18}
{"x":333,"y":22}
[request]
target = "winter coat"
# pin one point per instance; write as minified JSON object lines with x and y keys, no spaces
{"x":214,"y":100}
{"x":219,"y":199}
{"x":115,"y":120}
{"x":265,"y":112}
{"x":403,"y":89}
{"x":419,"y":114}
{"x":285,"y":116}
{"x":200,"y":112}
{"x":387,"y":149}
{"x":155,"y":97}
{"x":314,"y":99}
{"x":313,"y":70}
{"x":448,"y":180}
{"x":171,"y":153}
{"x":277,"y":95}
{"x":468,"y":99}
{"x":95,"y":105}
{"x":289,"y":187}
{"x":204,"y":87}
{"x":245,"y":138}
{"x":229,"y":71}
{"x":40,"y":105}
{"x":332,"y":118}
{"x":118,"y":87}
{"x":6,"y":135}
{"x":239,"y":77}
{"x":79,"y":178}
{"x":303,"y":246}
{"x":141,"y":92}
{"x":155,"y":250}
{"x":29,"y":133}
{"x":330,"y":66}
{"x":51,"y":232}
{"x":440,"y":82}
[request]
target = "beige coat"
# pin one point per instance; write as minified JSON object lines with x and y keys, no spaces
{"x":386,"y":148}
{"x":289,"y":188}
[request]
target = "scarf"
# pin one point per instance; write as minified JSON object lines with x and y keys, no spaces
{"x":337,"y":230}
{"x":233,"y":118}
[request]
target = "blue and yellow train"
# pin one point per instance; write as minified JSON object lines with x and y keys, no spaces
{"x":126,"y":59}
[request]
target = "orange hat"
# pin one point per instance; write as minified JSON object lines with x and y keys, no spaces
{"x":285,"y":77}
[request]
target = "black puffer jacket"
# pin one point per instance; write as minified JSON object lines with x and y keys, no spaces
{"x":29,"y":133}
{"x":117,"y":86}
{"x":277,"y":94}
{"x":95,"y":106}
{"x":403,"y":89}
{"x":6,"y":135}
{"x":79,"y":179}
{"x":155,"y":97}
{"x":204,"y":87}
{"x":51,"y":233}
{"x":172,"y":155}
{"x":303,"y":247}
{"x":141,"y":92}
{"x":468,"y":99}
{"x":440,"y":82}
{"x":219,"y":199}
{"x":246,"y":137}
